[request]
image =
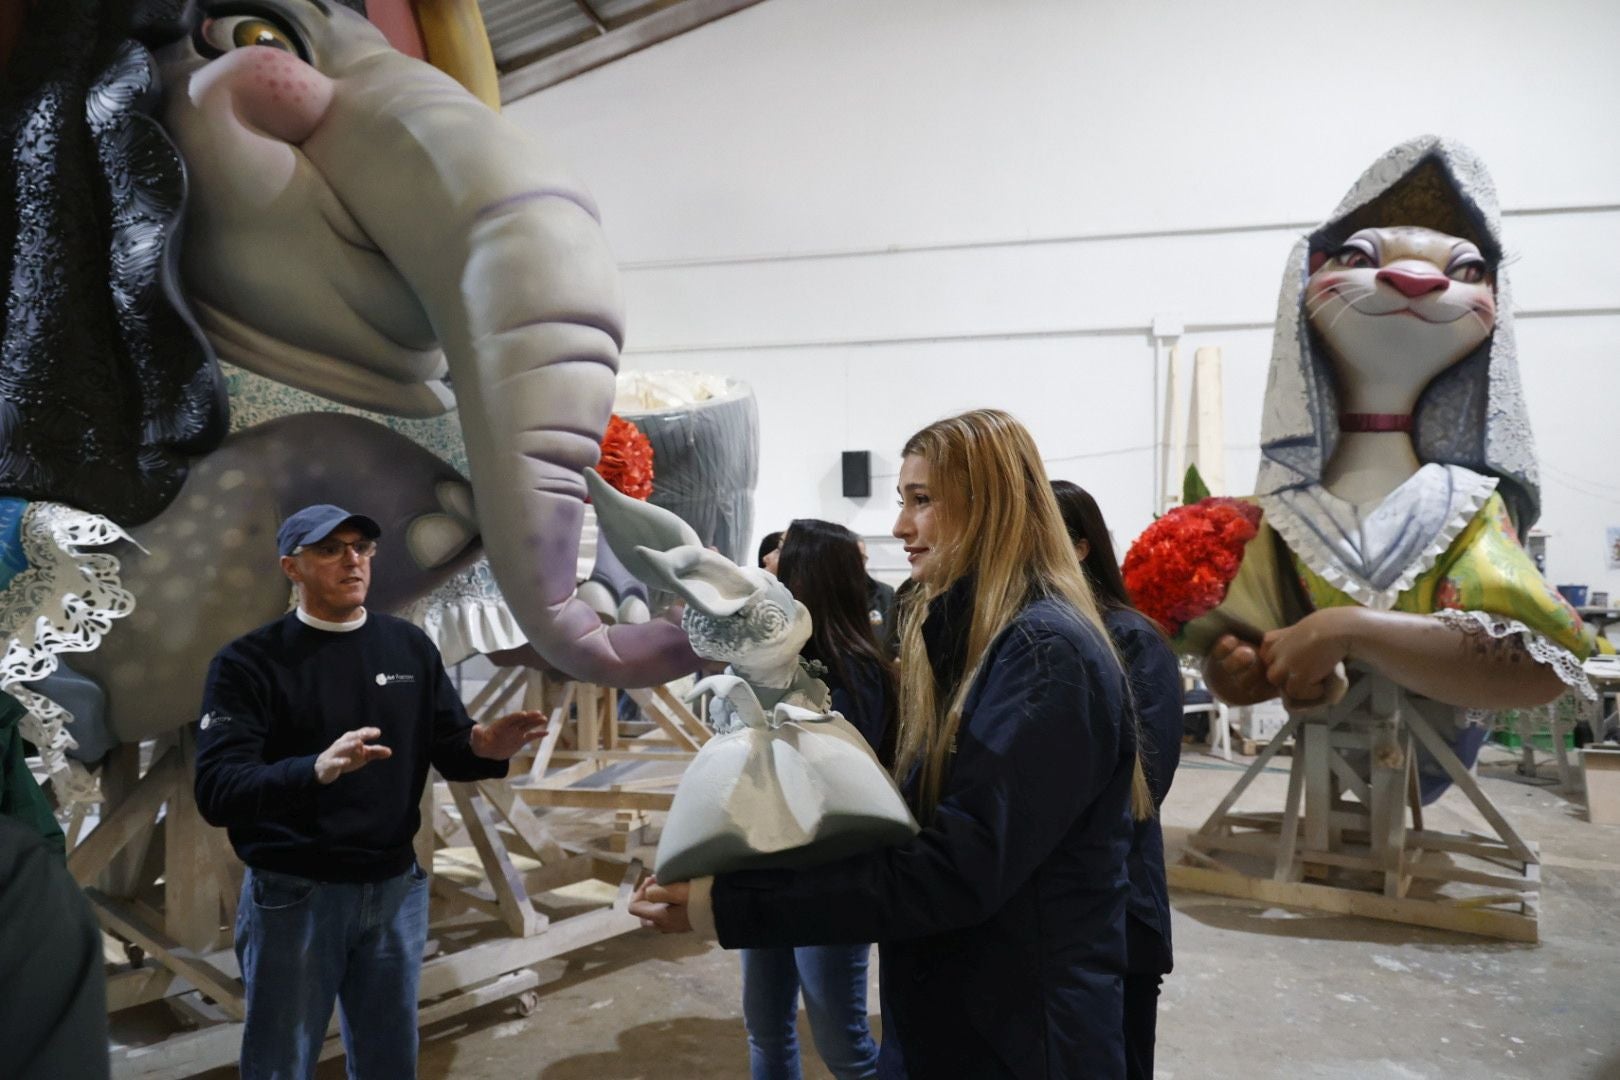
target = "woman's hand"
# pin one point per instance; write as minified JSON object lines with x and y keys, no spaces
{"x":662,"y":907}
{"x":1303,"y":661}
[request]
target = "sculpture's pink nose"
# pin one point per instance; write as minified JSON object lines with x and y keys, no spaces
{"x":272,"y":90}
{"x":1413,"y":285}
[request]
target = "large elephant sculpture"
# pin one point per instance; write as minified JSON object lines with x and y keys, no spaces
{"x":329,"y":273}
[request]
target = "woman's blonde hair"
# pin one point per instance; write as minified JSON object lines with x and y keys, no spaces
{"x":999,"y":521}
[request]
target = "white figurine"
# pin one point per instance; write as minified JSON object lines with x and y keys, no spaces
{"x":786,"y":781}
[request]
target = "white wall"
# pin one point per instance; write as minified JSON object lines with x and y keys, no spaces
{"x":882,"y":211}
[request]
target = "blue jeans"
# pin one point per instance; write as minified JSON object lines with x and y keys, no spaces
{"x":304,"y":944}
{"x":834,"y":982}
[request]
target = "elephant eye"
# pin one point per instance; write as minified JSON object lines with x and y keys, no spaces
{"x":223,"y":33}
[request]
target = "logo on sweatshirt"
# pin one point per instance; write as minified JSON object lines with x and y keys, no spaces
{"x":209,"y":719}
{"x":385,"y":680}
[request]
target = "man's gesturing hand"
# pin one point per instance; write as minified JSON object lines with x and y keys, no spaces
{"x":352,"y":750}
{"x":500,"y":739}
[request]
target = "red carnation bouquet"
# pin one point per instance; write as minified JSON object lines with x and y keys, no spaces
{"x":1208,"y":569}
{"x":1181,"y":566}
{"x":627,"y":458}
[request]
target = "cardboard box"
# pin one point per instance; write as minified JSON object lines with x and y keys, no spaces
{"x":1602,"y":769}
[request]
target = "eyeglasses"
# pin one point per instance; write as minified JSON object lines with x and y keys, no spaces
{"x":330,"y":550}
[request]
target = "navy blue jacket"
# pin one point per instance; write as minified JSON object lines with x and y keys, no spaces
{"x":1155,"y":679}
{"x":1002,"y":924}
{"x":866,"y":700}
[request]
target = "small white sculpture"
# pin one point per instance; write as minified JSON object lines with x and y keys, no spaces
{"x":787,"y":781}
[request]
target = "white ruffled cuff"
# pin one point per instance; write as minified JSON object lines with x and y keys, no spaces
{"x":1542,"y":649}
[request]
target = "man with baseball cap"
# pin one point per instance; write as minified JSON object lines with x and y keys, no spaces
{"x":313,"y":748}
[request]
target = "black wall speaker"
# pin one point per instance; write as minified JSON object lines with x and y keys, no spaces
{"x":857,"y":474}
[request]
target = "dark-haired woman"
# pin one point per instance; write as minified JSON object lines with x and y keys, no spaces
{"x":1156,"y":687}
{"x":770,"y":549}
{"x":821,"y":565}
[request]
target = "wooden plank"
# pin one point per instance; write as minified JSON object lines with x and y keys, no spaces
{"x":131,"y":819}
{"x":1288,"y":828}
{"x":508,"y":985}
{"x":596,"y":798}
{"x":1388,"y":825}
{"x":1256,"y":767}
{"x":664,"y":24}
{"x":126,"y":873}
{"x":1492,"y":851}
{"x":588,"y":717}
{"x":1316,"y":754}
{"x":681,"y":714}
{"x":574,"y":773}
{"x":493,"y":958}
{"x":1326,"y":898}
{"x":1443,"y":872}
{"x":1348,"y":777}
{"x":1419,"y":726}
{"x":499,"y":683}
{"x":457,"y":898}
{"x":520,"y":917}
{"x":423,"y":842}
{"x":673,"y":757}
{"x":120,"y":918}
{"x":535,"y":836}
{"x":548,"y":744}
{"x":191,"y":889}
{"x":1414,"y":796}
{"x":610,"y":720}
{"x":654,"y":710}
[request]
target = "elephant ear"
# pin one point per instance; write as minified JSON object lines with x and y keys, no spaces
{"x":706,"y":579}
{"x":106,"y":385}
{"x":664,"y":551}
{"x":630,"y":524}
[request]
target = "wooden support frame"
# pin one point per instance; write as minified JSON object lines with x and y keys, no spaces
{"x":1342,"y":841}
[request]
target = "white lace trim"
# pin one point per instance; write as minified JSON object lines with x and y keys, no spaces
{"x":64,"y":602}
{"x":1311,"y":550}
{"x":1541,"y":648}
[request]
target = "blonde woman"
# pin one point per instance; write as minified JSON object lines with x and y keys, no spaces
{"x":1002,"y":924}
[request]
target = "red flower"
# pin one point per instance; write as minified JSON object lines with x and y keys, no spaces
{"x":1180,"y":567}
{"x":627,"y":459}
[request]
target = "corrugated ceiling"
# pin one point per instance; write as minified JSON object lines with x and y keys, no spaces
{"x":541,"y":42}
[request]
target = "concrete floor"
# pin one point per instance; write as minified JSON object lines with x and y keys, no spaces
{"x":1259,"y":993}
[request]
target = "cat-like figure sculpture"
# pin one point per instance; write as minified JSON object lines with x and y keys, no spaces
{"x":786,"y":781}
{"x":1397,"y":470}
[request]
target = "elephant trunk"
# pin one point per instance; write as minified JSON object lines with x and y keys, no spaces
{"x":509,"y":262}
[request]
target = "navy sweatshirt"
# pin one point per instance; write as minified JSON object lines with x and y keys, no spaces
{"x":278,"y":696}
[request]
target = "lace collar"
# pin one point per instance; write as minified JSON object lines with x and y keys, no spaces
{"x":1375,"y":555}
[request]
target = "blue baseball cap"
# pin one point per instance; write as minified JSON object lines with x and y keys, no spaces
{"x":315,"y":523}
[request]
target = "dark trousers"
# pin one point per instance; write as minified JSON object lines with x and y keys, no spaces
{"x":1141,"y":1023}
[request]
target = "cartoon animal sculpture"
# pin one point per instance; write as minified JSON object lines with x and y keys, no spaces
{"x":1397,"y":464}
{"x":787,"y":781}
{"x":383,"y":295}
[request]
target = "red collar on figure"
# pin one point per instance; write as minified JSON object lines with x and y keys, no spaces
{"x":1375,"y":421}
